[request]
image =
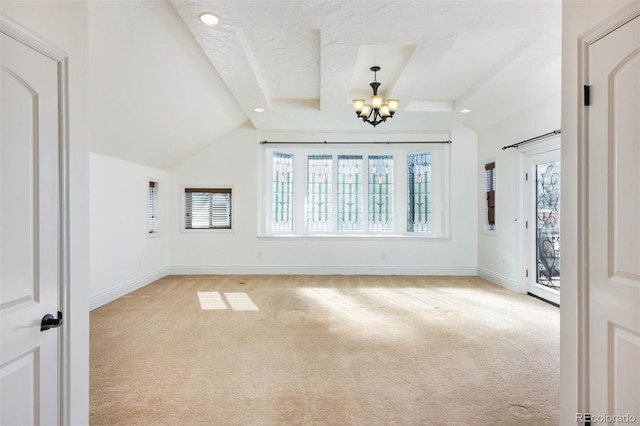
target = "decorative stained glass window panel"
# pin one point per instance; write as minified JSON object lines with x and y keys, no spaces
{"x":350,"y":196}
{"x":319,"y":192}
{"x":380,"y":193}
{"x":419,"y":192}
{"x":282,"y":192}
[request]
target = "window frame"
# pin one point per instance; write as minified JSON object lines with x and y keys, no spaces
{"x":153,"y":208}
{"x":207,"y":188}
{"x":440,"y":176}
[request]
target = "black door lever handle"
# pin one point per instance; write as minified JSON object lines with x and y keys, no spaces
{"x":49,"y":321}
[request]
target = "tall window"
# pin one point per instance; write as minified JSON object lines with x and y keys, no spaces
{"x":419,"y":192}
{"x":355,"y":191}
{"x":282,"y":192}
{"x":350,"y":196}
{"x":207,"y":208}
{"x":490,"y":188}
{"x":319,"y":193}
{"x":153,"y":223}
{"x":381,"y":193}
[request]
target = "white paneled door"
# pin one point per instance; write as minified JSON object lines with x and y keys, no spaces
{"x":614,"y":224}
{"x":31,"y":227}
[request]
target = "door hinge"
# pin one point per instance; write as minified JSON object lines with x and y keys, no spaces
{"x":526,"y":273}
{"x":526,"y":177}
{"x":587,"y":95}
{"x":526,"y":224}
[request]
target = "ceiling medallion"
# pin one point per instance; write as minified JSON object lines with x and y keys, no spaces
{"x":378,"y":111}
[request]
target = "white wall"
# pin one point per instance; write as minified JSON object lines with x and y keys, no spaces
{"x":123,"y":256}
{"x":155,"y":97}
{"x":233,"y":160}
{"x":64,"y":24}
{"x":578,"y":17}
{"x":498,"y":251}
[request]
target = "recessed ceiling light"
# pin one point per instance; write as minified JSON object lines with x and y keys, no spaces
{"x":209,"y":19}
{"x":465,"y":110}
{"x":258,"y":109}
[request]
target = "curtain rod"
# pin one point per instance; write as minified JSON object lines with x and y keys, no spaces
{"x":537,"y":138}
{"x":352,"y":143}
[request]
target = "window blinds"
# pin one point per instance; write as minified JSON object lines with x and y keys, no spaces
{"x":490,"y":183}
{"x":152,"y":208}
{"x":207,"y":208}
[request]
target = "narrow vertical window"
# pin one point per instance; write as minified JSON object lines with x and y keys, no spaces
{"x":380,"y":193}
{"x":207,"y":208}
{"x":350,"y":195}
{"x":419,"y":192}
{"x":282,"y":192}
{"x":153,"y":223}
{"x":490,"y":188}
{"x":319,"y":193}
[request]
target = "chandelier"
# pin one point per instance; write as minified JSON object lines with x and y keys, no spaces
{"x":378,"y":111}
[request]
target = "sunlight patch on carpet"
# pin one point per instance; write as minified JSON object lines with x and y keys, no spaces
{"x":211,"y":301}
{"x":338,"y":302}
{"x":240,"y":301}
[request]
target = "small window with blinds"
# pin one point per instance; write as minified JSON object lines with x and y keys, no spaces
{"x":207,"y":208}
{"x":153,"y":206}
{"x":490,"y":189}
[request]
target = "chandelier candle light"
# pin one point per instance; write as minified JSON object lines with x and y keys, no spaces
{"x":378,"y":111}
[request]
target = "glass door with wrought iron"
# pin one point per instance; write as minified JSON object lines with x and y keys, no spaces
{"x":543,"y":225}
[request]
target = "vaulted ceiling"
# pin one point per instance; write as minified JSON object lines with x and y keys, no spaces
{"x":304,"y":61}
{"x":164,"y":85}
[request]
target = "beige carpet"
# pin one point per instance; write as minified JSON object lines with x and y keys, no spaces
{"x":324,"y":350}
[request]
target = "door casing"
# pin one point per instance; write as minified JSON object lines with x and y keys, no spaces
{"x":18,"y":32}
{"x":581,"y":356}
{"x":525,"y":152}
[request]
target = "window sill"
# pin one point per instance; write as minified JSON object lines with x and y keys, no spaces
{"x":350,"y":237}
{"x":206,"y":230}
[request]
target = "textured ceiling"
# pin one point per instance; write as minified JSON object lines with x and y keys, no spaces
{"x":304,"y":61}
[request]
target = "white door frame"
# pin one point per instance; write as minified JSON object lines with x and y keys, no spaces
{"x":549,"y":147}
{"x":19,"y":33}
{"x":582,"y":356}
{"x":550,"y":144}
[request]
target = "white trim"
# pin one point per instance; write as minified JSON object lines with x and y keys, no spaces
{"x":120,"y":290}
{"x":21,"y":34}
{"x":323,"y":270}
{"x":353,"y":237}
{"x":205,"y":230}
{"x":501,"y":280}
{"x":525,"y":155}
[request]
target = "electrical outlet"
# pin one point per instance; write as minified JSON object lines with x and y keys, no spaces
{"x":259,"y":254}
{"x":383,"y":255}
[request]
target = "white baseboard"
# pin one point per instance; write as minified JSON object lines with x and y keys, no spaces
{"x":499,"y":279}
{"x":112,"y":294}
{"x":323,"y":270}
